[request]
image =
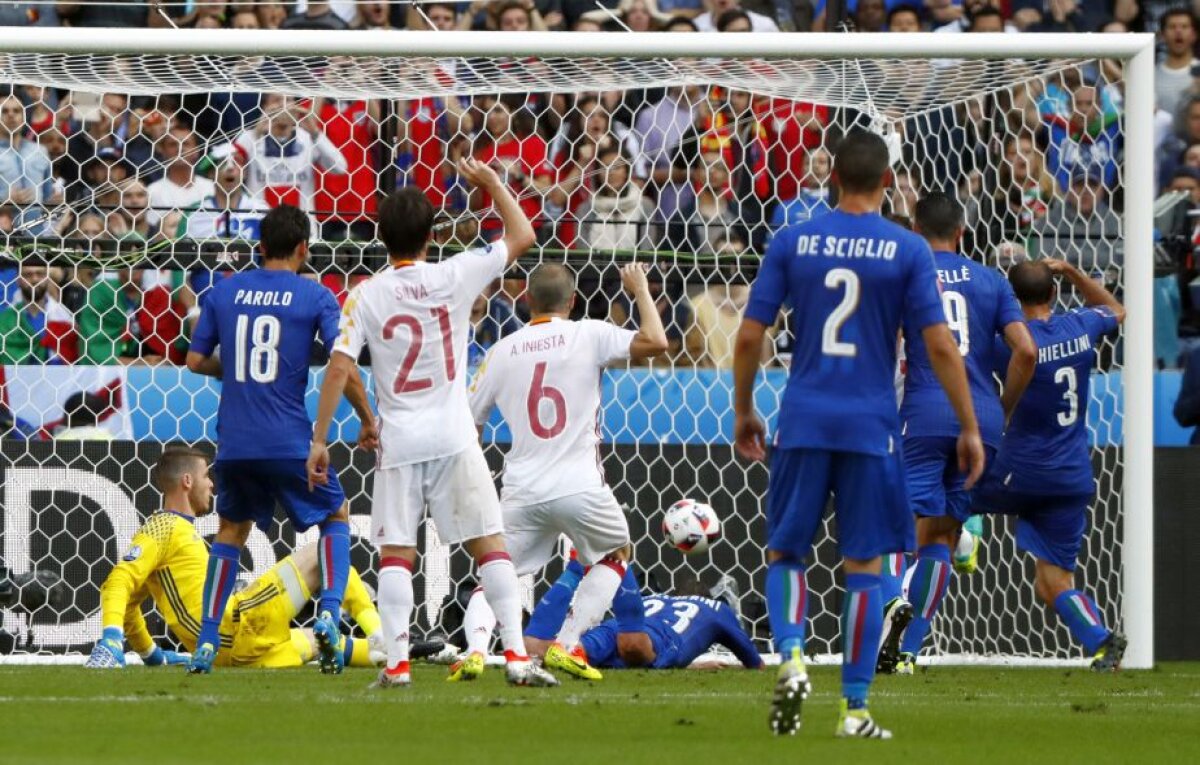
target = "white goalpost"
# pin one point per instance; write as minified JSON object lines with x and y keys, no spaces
{"x":955,"y":101}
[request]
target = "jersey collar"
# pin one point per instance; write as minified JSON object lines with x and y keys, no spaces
{"x":404,"y":264}
{"x":188,"y":518}
{"x":543,"y":320}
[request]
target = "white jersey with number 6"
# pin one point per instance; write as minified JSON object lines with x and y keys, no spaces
{"x":414,"y":318}
{"x":546,"y":380}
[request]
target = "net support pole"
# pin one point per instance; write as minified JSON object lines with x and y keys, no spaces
{"x":1138,"y":421}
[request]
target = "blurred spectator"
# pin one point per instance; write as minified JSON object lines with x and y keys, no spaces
{"x":615,"y":216}
{"x":25,"y":178}
{"x":687,"y":9}
{"x":443,"y":16}
{"x":81,"y":416}
{"x":271,"y":15}
{"x":1186,"y":133}
{"x":735,"y":20}
{"x":1186,"y":179}
{"x":316,"y":15}
{"x":659,"y":127}
{"x":574,"y":10}
{"x":673,"y":309}
{"x":989,"y":19}
{"x":904,"y":18}
{"x":1023,"y":190}
{"x":1082,"y":228}
{"x":372,"y":15}
{"x":813,"y":199}
{"x":636,"y":15}
{"x":718,"y":312}
{"x":433,"y":128}
{"x":127,"y":14}
{"x":180,"y":187}
{"x":28,"y":15}
{"x":519,"y":155}
{"x":229,"y":212}
{"x":122,"y":323}
{"x":1088,"y":137}
{"x":492,"y":318}
{"x":707,"y":22}
{"x":1175,"y":76}
{"x":132,"y":218}
{"x":244,"y":18}
{"x":1187,"y":406}
{"x":870,"y":16}
{"x":905,"y":191}
{"x":680,"y":24}
{"x":790,"y":131}
{"x":281,"y":153}
{"x":345,"y":202}
{"x":36,"y":329}
{"x":711,"y":217}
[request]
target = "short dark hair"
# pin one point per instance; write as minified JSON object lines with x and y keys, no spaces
{"x":174,"y":462}
{"x":1032,"y":282}
{"x":1173,"y":12}
{"x":405,"y":221}
{"x":903,"y":8}
{"x":730,"y":16}
{"x":680,"y":21}
{"x":550,"y":288}
{"x":938,"y":216}
{"x":982,"y":13}
{"x":282,"y":230}
{"x":860,"y":161}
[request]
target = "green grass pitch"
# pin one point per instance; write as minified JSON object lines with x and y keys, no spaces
{"x":943,"y":715}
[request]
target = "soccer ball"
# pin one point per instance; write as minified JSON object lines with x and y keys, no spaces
{"x":690,"y":526}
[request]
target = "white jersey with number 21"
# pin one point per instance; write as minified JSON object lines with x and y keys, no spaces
{"x":415,"y":319}
{"x":545,"y":379}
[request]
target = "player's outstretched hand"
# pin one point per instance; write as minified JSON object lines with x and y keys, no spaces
{"x":109,"y":651}
{"x":633,"y":276}
{"x":750,"y":437}
{"x":971,"y":457}
{"x":368,"y":437}
{"x":478,"y":174}
{"x":317,"y":465}
{"x":160,"y":658}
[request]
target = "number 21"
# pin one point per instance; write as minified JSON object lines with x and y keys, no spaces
{"x":404,"y":383}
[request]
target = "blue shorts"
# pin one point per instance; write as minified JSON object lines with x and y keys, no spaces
{"x":1050,"y":527}
{"x":248,"y":490}
{"x":871,"y":502}
{"x":935,"y":485}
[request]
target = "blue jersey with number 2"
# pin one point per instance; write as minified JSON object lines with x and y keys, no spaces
{"x":265,"y":322}
{"x":852,"y":278}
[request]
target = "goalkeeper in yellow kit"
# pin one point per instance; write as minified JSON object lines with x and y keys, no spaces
{"x":167,"y":561}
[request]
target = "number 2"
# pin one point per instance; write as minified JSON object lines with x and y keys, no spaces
{"x":404,"y":383}
{"x":684,"y":612}
{"x":955,"y":307}
{"x":830,"y":345}
{"x":1067,"y":375}
{"x":539,"y":391}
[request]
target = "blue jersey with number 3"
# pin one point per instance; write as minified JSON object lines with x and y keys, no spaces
{"x":265,"y":322}
{"x":852,"y":279}
{"x":680,"y":630}
{"x":1045,"y":449}
{"x":979,"y":303}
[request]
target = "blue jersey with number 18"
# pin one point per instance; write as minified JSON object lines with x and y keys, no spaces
{"x":265,"y":322}
{"x":852,"y":279}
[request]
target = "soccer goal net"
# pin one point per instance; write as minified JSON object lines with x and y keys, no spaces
{"x":139,"y":164}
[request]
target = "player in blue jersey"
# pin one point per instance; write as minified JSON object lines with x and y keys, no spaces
{"x":265,"y":321}
{"x":851,"y":278}
{"x":1043,"y":470}
{"x":979,"y":305}
{"x":655,"y":631}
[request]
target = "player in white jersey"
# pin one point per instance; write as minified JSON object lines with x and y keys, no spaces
{"x":414,"y":317}
{"x":545,"y":379}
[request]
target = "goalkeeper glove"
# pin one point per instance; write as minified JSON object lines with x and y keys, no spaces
{"x":109,"y":652}
{"x":158,"y":657}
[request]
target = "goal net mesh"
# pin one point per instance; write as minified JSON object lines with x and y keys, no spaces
{"x":140,"y":180}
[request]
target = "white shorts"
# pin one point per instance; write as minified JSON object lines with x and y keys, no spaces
{"x":458,"y":491}
{"x":591,"y":519}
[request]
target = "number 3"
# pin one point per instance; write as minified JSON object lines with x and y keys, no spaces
{"x":1067,"y":375}
{"x":830,"y":345}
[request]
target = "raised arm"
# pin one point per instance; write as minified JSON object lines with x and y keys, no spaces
{"x":1020,"y":366}
{"x":948,"y":365}
{"x":651,"y":338}
{"x":1093,"y":292}
{"x":518,"y":231}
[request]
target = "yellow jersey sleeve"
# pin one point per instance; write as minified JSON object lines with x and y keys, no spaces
{"x":124,"y":590}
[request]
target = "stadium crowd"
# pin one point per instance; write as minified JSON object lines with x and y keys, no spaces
{"x":709,"y":172}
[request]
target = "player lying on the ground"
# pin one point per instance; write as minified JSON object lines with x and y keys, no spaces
{"x":166,"y":561}
{"x":263,"y":322}
{"x":544,"y":379}
{"x":1043,"y":471}
{"x":655,"y":631}
{"x":979,"y":306}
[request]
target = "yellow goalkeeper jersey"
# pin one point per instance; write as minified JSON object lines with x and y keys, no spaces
{"x":167,"y":561}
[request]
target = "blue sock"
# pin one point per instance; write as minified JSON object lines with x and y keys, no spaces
{"x":218,"y":586}
{"x":333,"y":552}
{"x":787,"y":606}
{"x":551,"y":611}
{"x":1082,"y":618}
{"x":862,"y":627}
{"x":627,"y":604}
{"x":930,"y":580}
{"x":891,"y":577}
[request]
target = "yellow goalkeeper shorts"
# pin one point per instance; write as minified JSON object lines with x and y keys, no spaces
{"x":261,"y":616}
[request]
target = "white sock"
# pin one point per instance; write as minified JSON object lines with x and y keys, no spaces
{"x":395,"y":610}
{"x":502,"y":590}
{"x":478,"y":623}
{"x":592,"y":599}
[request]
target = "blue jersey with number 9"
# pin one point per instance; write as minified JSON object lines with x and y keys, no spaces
{"x":851,"y":280}
{"x":265,"y":322}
